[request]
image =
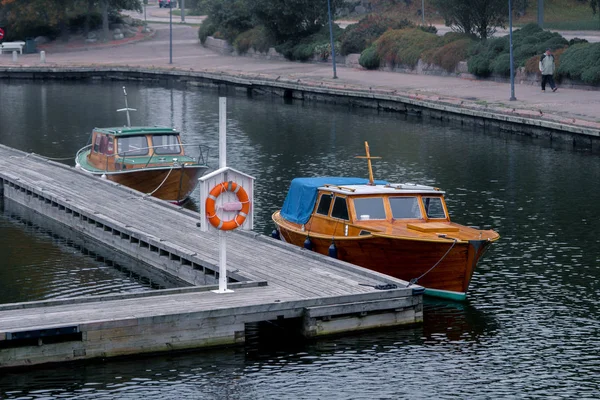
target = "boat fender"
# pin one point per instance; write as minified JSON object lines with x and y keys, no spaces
{"x":332,"y":250}
{"x":308,"y":244}
{"x":211,"y":206}
{"x":275,"y":234}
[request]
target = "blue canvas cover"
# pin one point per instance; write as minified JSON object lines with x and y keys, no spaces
{"x":301,"y":197}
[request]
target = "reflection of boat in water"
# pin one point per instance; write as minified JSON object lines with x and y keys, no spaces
{"x":152,"y":160}
{"x":402,"y":230}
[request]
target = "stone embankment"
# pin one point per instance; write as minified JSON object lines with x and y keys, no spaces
{"x":569,"y":114}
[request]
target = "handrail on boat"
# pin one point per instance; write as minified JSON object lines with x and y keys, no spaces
{"x":200,"y":159}
{"x":203,"y":149}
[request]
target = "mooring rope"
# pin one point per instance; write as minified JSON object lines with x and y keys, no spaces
{"x":415,"y":280}
{"x":164,"y":180}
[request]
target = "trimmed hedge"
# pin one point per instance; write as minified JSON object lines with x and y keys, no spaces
{"x":257,"y":38}
{"x":450,"y":54}
{"x":581,"y":62}
{"x":357,"y":37}
{"x":405,"y":46}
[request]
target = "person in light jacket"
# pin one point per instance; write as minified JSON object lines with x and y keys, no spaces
{"x":547,"y":70}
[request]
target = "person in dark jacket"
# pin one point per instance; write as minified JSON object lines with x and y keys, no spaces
{"x":547,"y":70}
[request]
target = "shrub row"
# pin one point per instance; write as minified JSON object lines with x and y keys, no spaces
{"x":407,"y":46}
{"x":357,"y":37}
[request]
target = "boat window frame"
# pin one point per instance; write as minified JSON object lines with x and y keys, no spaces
{"x":158,"y":148}
{"x":124,"y":141}
{"x":105,"y":143}
{"x":358,"y":215}
{"x":417,"y":202}
{"x":442,"y":204}
{"x":322,"y":195}
{"x":343,"y":199}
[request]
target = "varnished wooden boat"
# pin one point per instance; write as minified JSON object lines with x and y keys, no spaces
{"x":403,"y":230}
{"x":151,"y":160}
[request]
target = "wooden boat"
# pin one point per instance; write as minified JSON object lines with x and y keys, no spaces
{"x":151,"y":160}
{"x":402,"y":230}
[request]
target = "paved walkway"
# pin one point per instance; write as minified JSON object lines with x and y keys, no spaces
{"x":567,"y":106}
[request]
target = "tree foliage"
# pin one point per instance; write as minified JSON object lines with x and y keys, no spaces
{"x":50,"y":17}
{"x":287,"y":19}
{"x":479,"y":17}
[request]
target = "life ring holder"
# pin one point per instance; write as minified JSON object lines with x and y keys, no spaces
{"x":211,"y":206}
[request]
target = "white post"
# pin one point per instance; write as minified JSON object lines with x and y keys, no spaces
{"x":222,"y":132}
{"x":222,"y":164}
{"x":43,"y":56}
{"x":15,"y":57}
{"x":223,"y":263}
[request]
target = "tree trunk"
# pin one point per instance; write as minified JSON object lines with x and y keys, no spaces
{"x":88,"y":18}
{"x":105,"y":20}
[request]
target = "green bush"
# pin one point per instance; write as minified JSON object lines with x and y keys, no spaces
{"x":405,"y":46}
{"x":369,"y":58}
{"x":257,"y":38}
{"x":207,"y":28}
{"x":304,"y":49}
{"x":493,"y":55}
{"x":581,"y":62}
{"x":501,"y":65}
{"x":359,"y":36}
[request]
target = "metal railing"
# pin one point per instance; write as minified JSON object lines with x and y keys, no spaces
{"x":201,"y":157}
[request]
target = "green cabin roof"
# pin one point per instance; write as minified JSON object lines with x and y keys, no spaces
{"x":137,"y":130}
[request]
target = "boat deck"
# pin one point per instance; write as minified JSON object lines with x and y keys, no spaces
{"x":278,"y":280}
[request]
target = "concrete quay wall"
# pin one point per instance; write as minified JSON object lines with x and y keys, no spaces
{"x":532,"y":123}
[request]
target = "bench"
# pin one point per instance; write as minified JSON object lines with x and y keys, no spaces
{"x":11,"y":46}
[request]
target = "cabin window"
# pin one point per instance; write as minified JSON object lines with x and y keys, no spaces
{"x":405,"y":207}
{"x":434,"y":207}
{"x":166,"y":144}
{"x":324,"y":204}
{"x":133,"y":146}
{"x":97,"y":140}
{"x":340,"y":208}
{"x":103,"y":145}
{"x":369,"y":208}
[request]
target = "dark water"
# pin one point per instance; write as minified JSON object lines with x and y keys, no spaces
{"x":530,"y":327}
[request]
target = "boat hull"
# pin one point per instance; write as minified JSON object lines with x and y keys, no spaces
{"x":406,"y":259}
{"x":171,"y":184}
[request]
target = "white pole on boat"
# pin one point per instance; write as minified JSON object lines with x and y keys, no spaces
{"x":126,"y":109}
{"x":223,"y":164}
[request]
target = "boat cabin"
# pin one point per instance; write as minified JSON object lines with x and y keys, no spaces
{"x":390,"y":202}
{"x":116,"y":149}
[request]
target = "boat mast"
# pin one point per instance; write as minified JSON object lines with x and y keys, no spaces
{"x":369,"y":158}
{"x":127,"y":109}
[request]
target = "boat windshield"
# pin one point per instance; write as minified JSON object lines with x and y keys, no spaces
{"x":369,"y":208}
{"x":434,"y":207}
{"x":166,"y":144}
{"x":133,"y":146}
{"x":405,"y":208}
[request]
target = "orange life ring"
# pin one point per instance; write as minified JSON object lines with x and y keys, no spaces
{"x":211,"y":209}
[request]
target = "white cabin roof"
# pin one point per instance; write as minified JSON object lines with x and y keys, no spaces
{"x":389,"y":189}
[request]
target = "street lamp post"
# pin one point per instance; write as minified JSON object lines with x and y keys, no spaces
{"x":170,"y":34}
{"x":512,"y":64}
{"x":182,"y":4}
{"x":423,"y":11}
{"x":331,"y":39}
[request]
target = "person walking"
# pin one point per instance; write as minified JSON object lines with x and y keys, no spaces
{"x":547,"y":70}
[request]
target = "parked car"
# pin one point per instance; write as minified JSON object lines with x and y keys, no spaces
{"x":167,"y":3}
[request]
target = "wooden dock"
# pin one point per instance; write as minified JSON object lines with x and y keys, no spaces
{"x":272,"y":281}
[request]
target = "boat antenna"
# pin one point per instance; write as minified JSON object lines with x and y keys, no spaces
{"x":127,"y":109}
{"x":369,"y":158}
